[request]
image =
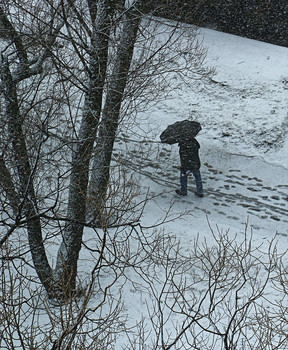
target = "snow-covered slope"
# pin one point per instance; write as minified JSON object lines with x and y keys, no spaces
{"x":244,"y":150}
{"x":244,"y":143}
{"x":245,"y":106}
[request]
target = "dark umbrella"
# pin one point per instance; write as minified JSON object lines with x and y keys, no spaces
{"x":180,"y":131}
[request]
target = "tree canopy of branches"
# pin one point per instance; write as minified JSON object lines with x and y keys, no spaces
{"x":71,"y":71}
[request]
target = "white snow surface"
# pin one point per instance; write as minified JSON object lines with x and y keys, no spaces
{"x":243,"y":111}
{"x":244,"y":153}
{"x":244,"y":150}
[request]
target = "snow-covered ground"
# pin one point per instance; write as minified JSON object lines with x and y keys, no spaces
{"x":244,"y":142}
{"x":244,"y":152}
{"x":243,"y":111}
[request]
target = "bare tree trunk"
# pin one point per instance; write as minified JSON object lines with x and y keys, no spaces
{"x":111,"y":111}
{"x":7,"y":185}
{"x":66,"y":268}
{"x":26,"y":64}
{"x":25,"y":176}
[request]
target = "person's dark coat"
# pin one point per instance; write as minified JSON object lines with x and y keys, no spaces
{"x":189,"y":155}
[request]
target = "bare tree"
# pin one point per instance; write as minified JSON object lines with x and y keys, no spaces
{"x":227,"y":294}
{"x":111,"y":110}
{"x":24,"y":68}
{"x":59,"y":62}
{"x":223,"y":296}
{"x":71,"y":73}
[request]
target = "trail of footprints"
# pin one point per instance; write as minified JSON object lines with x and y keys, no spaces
{"x":248,"y":192}
{"x":223,"y":189}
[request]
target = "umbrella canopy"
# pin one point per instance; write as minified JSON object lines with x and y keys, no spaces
{"x":180,"y":131}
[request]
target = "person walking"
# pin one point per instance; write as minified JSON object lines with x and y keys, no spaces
{"x":190,"y":163}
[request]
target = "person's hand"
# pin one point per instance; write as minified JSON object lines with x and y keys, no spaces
{"x":186,"y":172}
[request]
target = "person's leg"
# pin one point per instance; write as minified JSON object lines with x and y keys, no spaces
{"x":198,"y":180}
{"x":183,"y":184}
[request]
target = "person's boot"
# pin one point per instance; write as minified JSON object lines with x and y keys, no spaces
{"x":180,"y":193}
{"x":199,"y":186}
{"x":199,"y":189}
{"x":183,"y":183}
{"x":199,"y":194}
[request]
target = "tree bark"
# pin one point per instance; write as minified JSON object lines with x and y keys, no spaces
{"x":25,"y":176}
{"x":66,"y":267}
{"x":111,"y":111}
{"x":7,"y":185}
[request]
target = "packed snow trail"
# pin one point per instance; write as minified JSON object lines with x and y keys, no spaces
{"x":236,"y":187}
{"x":244,"y":143}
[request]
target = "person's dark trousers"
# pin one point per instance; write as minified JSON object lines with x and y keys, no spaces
{"x":198,"y":180}
{"x":183,"y":183}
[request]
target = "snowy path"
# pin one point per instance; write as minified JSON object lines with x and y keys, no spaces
{"x":237,"y":188}
{"x":238,"y":192}
{"x":244,"y":143}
